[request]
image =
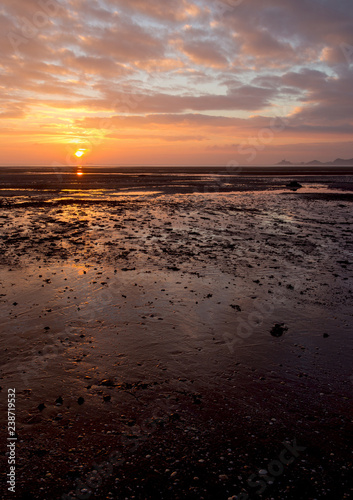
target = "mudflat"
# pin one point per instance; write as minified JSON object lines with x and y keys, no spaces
{"x":175,"y":334}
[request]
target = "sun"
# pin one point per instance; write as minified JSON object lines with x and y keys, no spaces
{"x":80,"y":152}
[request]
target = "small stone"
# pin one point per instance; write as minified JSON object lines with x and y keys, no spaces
{"x":263,"y":472}
{"x":80,"y":400}
{"x":325,"y":335}
{"x":223,"y":477}
{"x":107,"y":382}
{"x":59,"y":401}
{"x":278,"y":329}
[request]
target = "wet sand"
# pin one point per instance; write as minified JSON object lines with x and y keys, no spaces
{"x":136,"y":329}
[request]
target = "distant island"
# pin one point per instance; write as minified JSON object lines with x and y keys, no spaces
{"x":339,"y":162}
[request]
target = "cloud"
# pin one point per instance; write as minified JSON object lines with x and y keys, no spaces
{"x":242,"y":98}
{"x":12,"y":110}
{"x":164,"y":10}
{"x":157,"y":137}
{"x":204,"y":53}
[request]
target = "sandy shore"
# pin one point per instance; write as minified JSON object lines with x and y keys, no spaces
{"x":136,"y":330}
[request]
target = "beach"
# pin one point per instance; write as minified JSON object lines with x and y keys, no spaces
{"x":177,"y":333}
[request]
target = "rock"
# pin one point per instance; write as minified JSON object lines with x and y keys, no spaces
{"x":59,"y":401}
{"x":107,"y":382}
{"x":325,"y":335}
{"x":41,"y":406}
{"x":278,"y":329}
{"x":80,"y":400}
{"x":294,"y":185}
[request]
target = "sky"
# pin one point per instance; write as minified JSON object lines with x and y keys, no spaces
{"x":175,"y":82}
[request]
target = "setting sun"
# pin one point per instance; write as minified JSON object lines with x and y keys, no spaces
{"x":80,"y":152}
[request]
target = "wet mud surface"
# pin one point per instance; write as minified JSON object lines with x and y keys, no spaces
{"x":137,"y":333}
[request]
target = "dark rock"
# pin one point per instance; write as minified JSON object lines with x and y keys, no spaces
{"x":174,"y":416}
{"x":278,"y":329}
{"x":294,"y":185}
{"x":80,"y":400}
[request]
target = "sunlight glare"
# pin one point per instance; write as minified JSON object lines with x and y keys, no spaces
{"x":80,"y":152}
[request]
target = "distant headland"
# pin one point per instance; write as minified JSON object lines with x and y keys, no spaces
{"x":339,"y":162}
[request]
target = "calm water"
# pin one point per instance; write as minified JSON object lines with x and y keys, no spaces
{"x":44,"y":183}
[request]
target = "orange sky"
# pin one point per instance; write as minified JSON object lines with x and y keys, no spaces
{"x":175,"y":82}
